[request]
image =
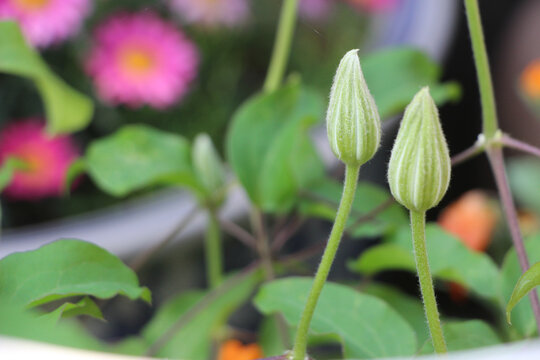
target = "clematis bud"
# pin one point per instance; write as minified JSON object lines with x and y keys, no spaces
{"x":352,"y":120}
{"x":419,"y":169}
{"x":207,"y":165}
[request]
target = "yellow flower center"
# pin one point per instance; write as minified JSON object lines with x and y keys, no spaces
{"x":137,"y":62}
{"x":31,"y":5}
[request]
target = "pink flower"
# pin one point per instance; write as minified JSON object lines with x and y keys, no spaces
{"x":141,"y":59}
{"x":375,"y":5}
{"x":46,"y":22}
{"x":47,"y":159}
{"x":314,"y":9}
{"x":212,"y":12}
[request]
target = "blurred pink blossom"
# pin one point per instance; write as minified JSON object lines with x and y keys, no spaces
{"x":47,"y":159}
{"x":141,"y":59}
{"x":46,"y":22}
{"x":212,"y":13}
{"x":314,"y":9}
{"x":375,"y":5}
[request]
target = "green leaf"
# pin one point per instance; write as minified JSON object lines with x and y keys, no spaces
{"x":321,"y":200}
{"x":522,"y":316}
{"x":193,"y":341}
{"x":524,"y":176}
{"x":138,"y":156}
{"x":76,"y":169}
{"x":85,"y":306}
{"x":528,"y":281}
{"x":409,"y":308}
{"x":20,"y":323}
{"x":395,"y":75}
{"x":465,"y":335}
{"x":270,"y":338}
{"x":449,"y":260}
{"x":67,"y":109}
{"x":363,"y":323}
{"x":269,"y":148}
{"x":8,"y":169}
{"x":66,"y":268}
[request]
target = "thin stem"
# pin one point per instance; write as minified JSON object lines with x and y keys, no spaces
{"x":372,"y":214}
{"x":487,"y":97}
{"x":520,"y":145}
{"x":496,"y":160}
{"x":238,"y":232}
{"x":418,"y":226}
{"x":263,"y":247}
{"x":349,"y":189}
{"x":266,"y":258}
{"x":213,"y":251}
{"x":467,"y":154}
{"x":285,"y":234}
{"x":143,"y":258}
{"x":282,"y":45}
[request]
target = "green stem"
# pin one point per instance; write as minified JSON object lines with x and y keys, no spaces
{"x":418,"y":225}
{"x":282,"y":45}
{"x":214,"y":266}
{"x":489,"y":112}
{"x":349,"y":189}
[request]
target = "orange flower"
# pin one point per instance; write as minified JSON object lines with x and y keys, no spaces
{"x":471,"y":219}
{"x":530,"y":79}
{"x":235,"y":350}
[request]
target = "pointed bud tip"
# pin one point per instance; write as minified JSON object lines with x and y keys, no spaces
{"x":352,"y":119}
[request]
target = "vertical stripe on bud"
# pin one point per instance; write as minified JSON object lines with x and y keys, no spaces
{"x":419,"y":169}
{"x":352,"y":121}
{"x":208,"y":166}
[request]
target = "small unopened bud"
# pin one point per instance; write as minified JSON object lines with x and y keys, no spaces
{"x":419,"y":169}
{"x":207,"y":165}
{"x":352,"y":121}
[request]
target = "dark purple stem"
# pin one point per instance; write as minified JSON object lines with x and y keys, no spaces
{"x":496,"y":161}
{"x":520,"y":145}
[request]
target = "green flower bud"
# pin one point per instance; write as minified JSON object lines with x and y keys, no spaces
{"x":352,"y":121}
{"x":419,"y":169}
{"x":208,"y":166}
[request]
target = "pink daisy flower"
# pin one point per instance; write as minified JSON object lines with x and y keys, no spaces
{"x":212,"y":13}
{"x":141,"y":59}
{"x":47,"y":159}
{"x":314,"y":9}
{"x":46,"y":22}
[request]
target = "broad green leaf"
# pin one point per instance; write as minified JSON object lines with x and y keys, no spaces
{"x":409,"y":308}
{"x":321,"y":200}
{"x":269,"y":147}
{"x":395,"y":75}
{"x":193,"y":341}
{"x":28,"y":324}
{"x":524,"y":176}
{"x":449,"y":260}
{"x":85,"y":306}
{"x":522,"y":315}
{"x":362,"y":322}
{"x":138,"y":156}
{"x":67,"y":109}
{"x":66,"y":268}
{"x":528,"y":281}
{"x":463,"y":335}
